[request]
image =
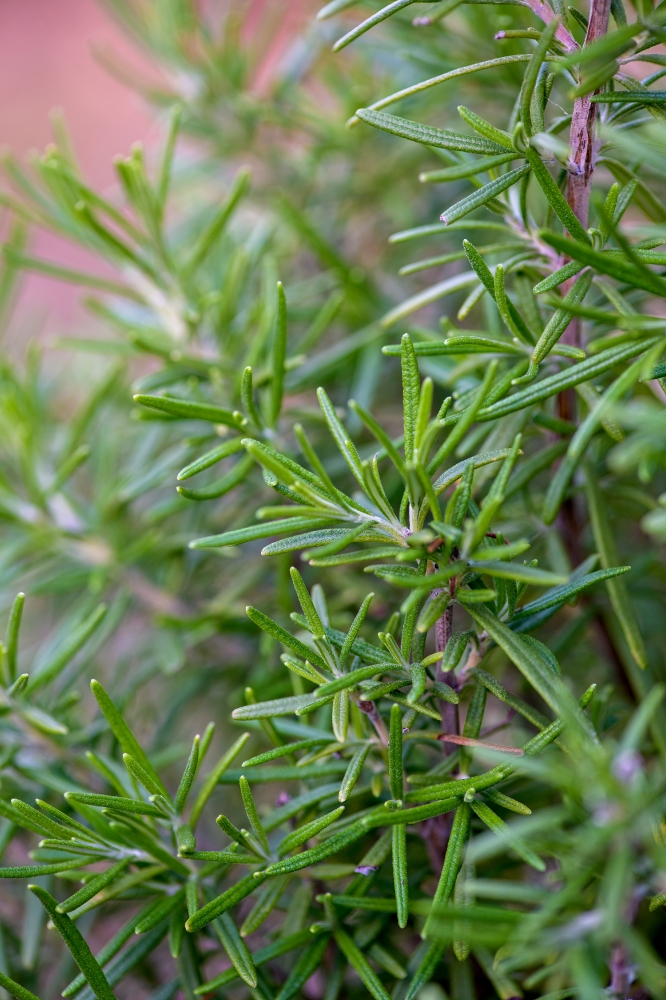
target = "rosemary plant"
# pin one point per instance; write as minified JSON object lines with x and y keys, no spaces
{"x":453,"y":784}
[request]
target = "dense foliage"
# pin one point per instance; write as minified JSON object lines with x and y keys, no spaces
{"x":454,"y":784}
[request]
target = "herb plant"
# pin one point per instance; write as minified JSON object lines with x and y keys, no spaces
{"x":453,"y":784}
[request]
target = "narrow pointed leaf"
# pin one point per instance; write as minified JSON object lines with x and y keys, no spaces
{"x":76,"y":945}
{"x":429,"y":136}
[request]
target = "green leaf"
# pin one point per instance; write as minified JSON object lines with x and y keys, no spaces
{"x":395,"y":753}
{"x":41,"y":720}
{"x":260,"y":775}
{"x":485,"y":128}
{"x":558,"y":277}
{"x":11,"y":638}
{"x":15,"y":990}
{"x":520,"y":706}
{"x":472,"y":726}
{"x":130,"y":958}
{"x":353,"y":772}
{"x":189,"y":774}
{"x":467,"y":418}
{"x":411,"y":386}
{"x":484,"y":274}
{"x":307,"y":831}
{"x":216,"y":907}
{"x":438,"y":227}
{"x":92,"y":887}
{"x":557,"y":201}
{"x":616,"y":587}
{"x":236,"y":949}
{"x":316,"y":854}
{"x":314,"y":622}
{"x":186,"y":409}
{"x":341,"y":438}
{"x":116,"y":803}
{"x":351,"y":679}
{"x":484,"y":194}
{"x":455,"y":648}
{"x":560,"y":319}
{"x":581,"y":439}
{"x":428,"y":296}
{"x":506,"y":802}
{"x":31,"y":819}
{"x":430,"y":955}
{"x":505,"y":833}
{"x":217,"y":224}
{"x":469,"y":169}
{"x":109,"y":950}
{"x":286,"y":469}
{"x":359,"y":962}
{"x":142,"y":776}
{"x":35,"y":871}
{"x":213,"y":778}
{"x":560,"y":595}
{"x":76,"y":945}
{"x":286,"y":750}
{"x":531,"y":666}
{"x":443,"y":78}
{"x":124,"y":735}
{"x":355,"y":628}
{"x":584,"y":371}
{"x":269,"y":895}
{"x":512,"y":571}
{"x":225,"y":484}
{"x":433,"y":611}
{"x":400,"y":869}
{"x":375,"y":904}
{"x":532,"y":73}
{"x":452,"y":863}
{"x":279,"y":355}
{"x":370,"y":22}
{"x":284,"y":637}
{"x":277,"y":707}
{"x":531,"y":467}
{"x":543,"y":651}
{"x":408,"y":817}
{"x":607,"y":264}
{"x":286,"y":525}
{"x":252,"y":814}
{"x":361,"y":555}
{"x":603,"y":47}
{"x":460,"y":344}
{"x":495,"y":497}
{"x":158,"y":912}
{"x":74,"y":642}
{"x":635,"y":187}
{"x":216,"y":454}
{"x":440,"y":138}
{"x":279,"y":947}
{"x":223,"y":857}
{"x":308,"y":962}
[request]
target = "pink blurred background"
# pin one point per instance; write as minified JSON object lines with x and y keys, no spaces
{"x":47,"y":61}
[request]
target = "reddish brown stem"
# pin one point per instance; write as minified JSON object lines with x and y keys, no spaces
{"x":372,"y":713}
{"x":584,"y":144}
{"x":436,"y":831}
{"x":449,"y":712}
{"x":583,"y":139}
{"x":546,"y":14}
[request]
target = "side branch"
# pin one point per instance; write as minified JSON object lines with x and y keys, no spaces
{"x":546,"y":14}
{"x":583,"y":140}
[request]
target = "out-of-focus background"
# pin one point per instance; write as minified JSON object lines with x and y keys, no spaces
{"x":51,"y":58}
